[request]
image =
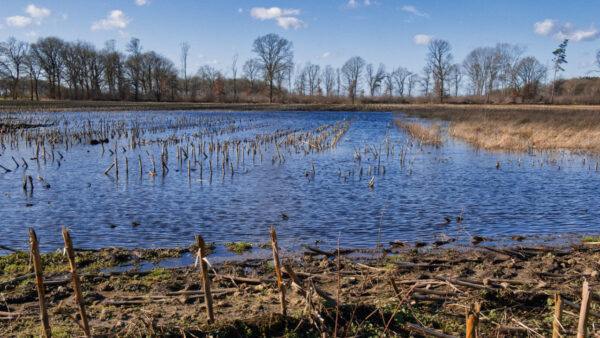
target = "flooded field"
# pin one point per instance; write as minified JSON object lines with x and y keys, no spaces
{"x":229,"y":176}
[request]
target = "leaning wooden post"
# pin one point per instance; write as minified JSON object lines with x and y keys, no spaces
{"x":76,"y":283}
{"x":583,"y":312}
{"x":278,"y":269}
{"x":556,"y":325}
{"x":473,"y":321}
{"x":206,"y":281}
{"x":116,"y":163}
{"x":39,"y":281}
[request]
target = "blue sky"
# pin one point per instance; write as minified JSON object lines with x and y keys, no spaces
{"x":324,"y":32}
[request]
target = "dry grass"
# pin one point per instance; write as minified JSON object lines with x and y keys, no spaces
{"x":427,"y":134}
{"x":520,"y":129}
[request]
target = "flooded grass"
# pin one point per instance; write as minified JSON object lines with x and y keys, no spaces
{"x":523,"y":129}
{"x":154,"y":179}
{"x":426,"y":134}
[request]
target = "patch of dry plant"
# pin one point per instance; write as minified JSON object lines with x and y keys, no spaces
{"x":523,"y":129}
{"x":427,"y":134}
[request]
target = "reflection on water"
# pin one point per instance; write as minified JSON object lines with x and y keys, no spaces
{"x":544,"y":194}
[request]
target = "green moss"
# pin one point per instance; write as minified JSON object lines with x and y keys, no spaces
{"x":589,"y":239}
{"x":239,"y":247}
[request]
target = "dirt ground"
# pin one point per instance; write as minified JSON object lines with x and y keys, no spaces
{"x":397,"y":292}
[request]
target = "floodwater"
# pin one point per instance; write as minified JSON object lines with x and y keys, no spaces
{"x":529,"y":194}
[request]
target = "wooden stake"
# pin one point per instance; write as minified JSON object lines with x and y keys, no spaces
{"x":278,"y":269}
{"x":205,"y":280}
{"x":583,"y":312}
{"x":473,"y":321}
{"x":116,"y":163}
{"x":39,"y":281}
{"x":558,"y":307}
{"x":76,"y":283}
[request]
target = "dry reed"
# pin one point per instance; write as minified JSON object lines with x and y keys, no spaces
{"x":426,"y":134}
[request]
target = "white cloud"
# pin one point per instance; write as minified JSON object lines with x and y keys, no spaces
{"x":287,"y":22}
{"x":325,"y":55}
{"x":240,"y":10}
{"x":413,"y":10}
{"x":565,"y":30}
{"x":115,"y":19}
{"x":422,"y":39}
{"x":37,"y":13}
{"x":18,"y":21}
{"x":141,"y":2}
{"x":31,"y":34}
{"x":286,"y":18}
{"x":356,"y":4}
{"x":545,"y":27}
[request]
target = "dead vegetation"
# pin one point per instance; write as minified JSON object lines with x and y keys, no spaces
{"x":426,"y":134}
{"x":408,"y":290}
{"x":523,"y":129}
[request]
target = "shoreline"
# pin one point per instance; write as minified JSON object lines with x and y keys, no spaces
{"x":55,"y":106}
{"x":512,"y":285}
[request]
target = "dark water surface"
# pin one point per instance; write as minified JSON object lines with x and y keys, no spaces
{"x":561,"y":196}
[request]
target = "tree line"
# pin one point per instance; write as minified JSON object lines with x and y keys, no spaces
{"x":56,"y":69}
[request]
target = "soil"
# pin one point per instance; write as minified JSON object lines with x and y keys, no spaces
{"x":435,"y":288}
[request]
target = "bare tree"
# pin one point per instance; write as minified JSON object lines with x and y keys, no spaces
{"x":399,"y":76}
{"x":234,"y":71}
{"x":133,"y":65}
{"x":276,"y":56}
{"x":426,"y":80}
{"x":12,"y":59}
{"x":313,"y":78}
{"x":338,"y":81}
{"x":413,"y":79}
{"x":251,"y":71}
{"x":329,"y":80}
{"x":33,"y":71}
{"x":208,"y":75}
{"x":185,"y":50}
{"x":352,"y":70}
{"x":374,"y":77}
{"x":531,"y":72}
{"x":439,"y":60}
{"x":388,"y":80}
{"x":301,"y":80}
{"x":455,"y":78}
{"x":474,"y":67}
{"x":48,"y":52}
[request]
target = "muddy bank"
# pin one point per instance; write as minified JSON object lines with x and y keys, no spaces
{"x":394,"y":292}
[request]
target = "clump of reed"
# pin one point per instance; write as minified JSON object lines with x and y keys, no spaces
{"x":426,"y":134}
{"x":523,"y":128}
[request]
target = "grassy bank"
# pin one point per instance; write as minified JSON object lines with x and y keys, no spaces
{"x":522,"y":128}
{"x":359,"y":293}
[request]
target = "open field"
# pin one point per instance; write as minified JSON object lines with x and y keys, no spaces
{"x":362,"y":293}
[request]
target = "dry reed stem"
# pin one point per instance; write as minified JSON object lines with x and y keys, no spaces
{"x":427,"y":134}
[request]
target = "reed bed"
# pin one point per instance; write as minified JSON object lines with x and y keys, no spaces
{"x":523,"y":129}
{"x":426,"y":134}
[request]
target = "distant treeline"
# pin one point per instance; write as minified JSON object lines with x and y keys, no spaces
{"x":52,"y":68}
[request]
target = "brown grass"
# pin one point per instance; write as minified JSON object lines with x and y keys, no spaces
{"x":427,"y":134}
{"x":524,"y":128}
